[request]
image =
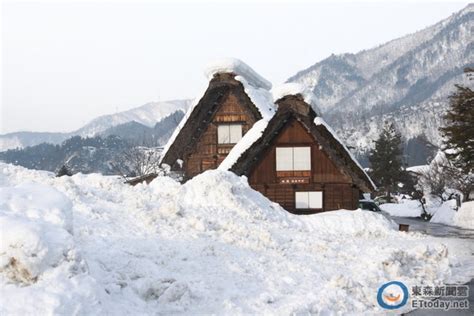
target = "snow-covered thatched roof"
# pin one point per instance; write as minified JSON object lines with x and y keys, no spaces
{"x":242,"y":156}
{"x":221,"y":72}
{"x":293,"y":88}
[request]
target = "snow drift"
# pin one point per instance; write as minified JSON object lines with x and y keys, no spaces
{"x":212,"y":245}
{"x":465,"y":216}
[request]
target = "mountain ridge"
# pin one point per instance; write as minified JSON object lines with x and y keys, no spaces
{"x":406,"y":80}
{"x":147,"y":115}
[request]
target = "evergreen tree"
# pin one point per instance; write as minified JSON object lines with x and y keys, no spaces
{"x":458,"y":137}
{"x":386,"y":160}
{"x":459,"y":129}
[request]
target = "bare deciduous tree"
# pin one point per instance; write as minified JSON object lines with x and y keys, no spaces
{"x":140,"y":161}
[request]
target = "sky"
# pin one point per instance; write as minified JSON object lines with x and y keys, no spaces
{"x":65,"y":62}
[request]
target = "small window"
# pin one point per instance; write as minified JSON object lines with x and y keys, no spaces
{"x":293,"y":158}
{"x":307,"y":200}
{"x":229,"y":133}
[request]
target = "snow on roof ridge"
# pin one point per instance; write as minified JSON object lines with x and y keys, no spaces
{"x":293,"y":88}
{"x":244,"y":144}
{"x":260,"y":97}
{"x":238,"y":67}
{"x":320,"y":121}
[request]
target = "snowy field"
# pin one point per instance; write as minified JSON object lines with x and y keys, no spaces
{"x":89,"y":244}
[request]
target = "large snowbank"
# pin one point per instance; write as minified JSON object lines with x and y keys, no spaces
{"x":443,"y":213}
{"x":446,"y":214}
{"x":212,"y":245}
{"x":37,"y":253}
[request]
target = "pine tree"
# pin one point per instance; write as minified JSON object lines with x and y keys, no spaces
{"x":459,"y":130}
{"x":458,"y":137}
{"x":386,"y":160}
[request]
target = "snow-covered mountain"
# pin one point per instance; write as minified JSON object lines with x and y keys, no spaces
{"x":148,"y":115}
{"x":406,"y":81}
{"x":145,"y":116}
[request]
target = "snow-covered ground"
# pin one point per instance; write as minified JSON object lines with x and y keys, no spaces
{"x":89,"y":244}
{"x":442,"y":212}
{"x":405,"y":208}
{"x":464,"y":217}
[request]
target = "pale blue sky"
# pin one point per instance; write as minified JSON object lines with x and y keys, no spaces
{"x":64,"y":63}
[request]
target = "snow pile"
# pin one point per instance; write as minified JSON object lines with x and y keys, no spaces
{"x":239,"y":68}
{"x":36,"y":221}
{"x":444,"y":213}
{"x":294,"y":88}
{"x":37,"y":249}
{"x":406,"y":208}
{"x":210,"y":246}
{"x":465,"y":215}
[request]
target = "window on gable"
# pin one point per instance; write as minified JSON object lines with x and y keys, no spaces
{"x":293,"y":158}
{"x":229,"y":133}
{"x":309,"y":200}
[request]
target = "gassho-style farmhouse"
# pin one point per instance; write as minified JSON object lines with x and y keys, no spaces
{"x":275,"y":137}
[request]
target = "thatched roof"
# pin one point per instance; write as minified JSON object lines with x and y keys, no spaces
{"x":195,"y":122}
{"x":294,"y":107}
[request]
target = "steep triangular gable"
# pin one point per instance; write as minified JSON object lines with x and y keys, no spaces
{"x":243,"y":162}
{"x":201,"y":114}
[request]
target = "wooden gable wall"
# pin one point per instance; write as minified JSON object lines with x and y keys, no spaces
{"x":207,"y":153}
{"x":338,"y":191}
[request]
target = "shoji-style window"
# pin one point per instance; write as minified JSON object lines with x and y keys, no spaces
{"x":309,"y":200}
{"x":293,"y":158}
{"x":229,"y":133}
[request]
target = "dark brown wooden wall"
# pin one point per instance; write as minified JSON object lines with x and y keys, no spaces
{"x":207,"y":153}
{"x":338,"y":191}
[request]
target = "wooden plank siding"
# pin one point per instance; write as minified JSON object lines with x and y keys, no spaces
{"x":337,"y":187}
{"x":207,"y":153}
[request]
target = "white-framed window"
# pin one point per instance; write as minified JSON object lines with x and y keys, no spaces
{"x":311,"y":199}
{"x":229,"y":133}
{"x":293,"y":158}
